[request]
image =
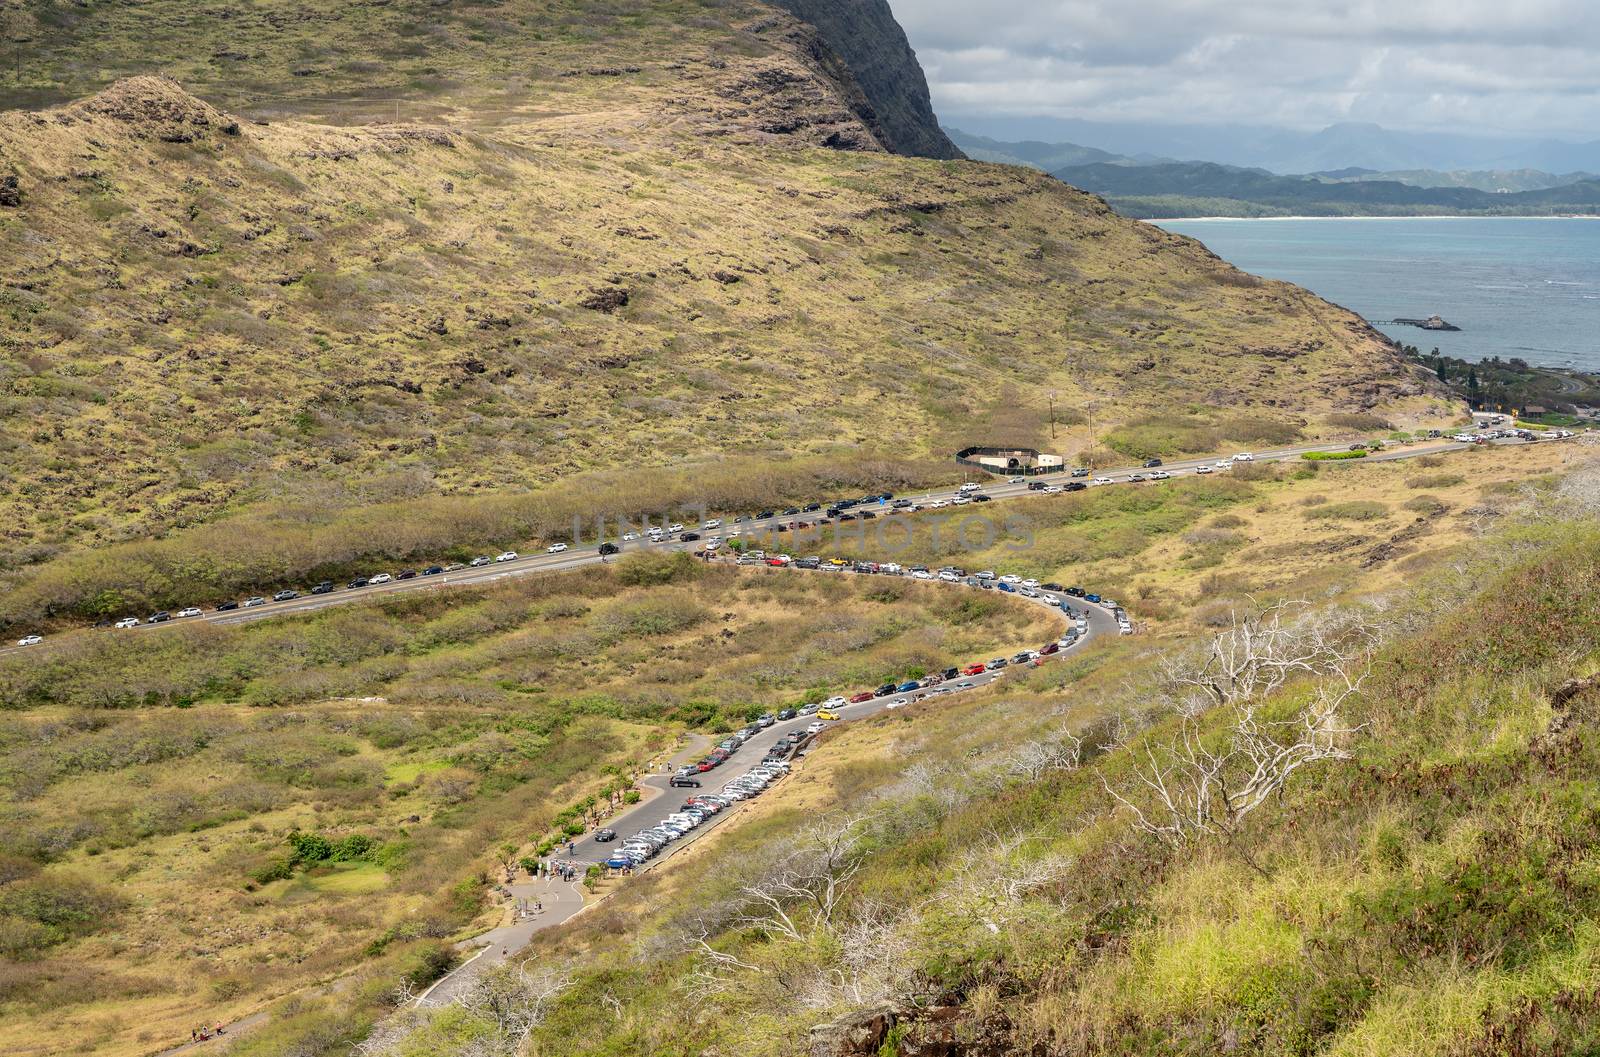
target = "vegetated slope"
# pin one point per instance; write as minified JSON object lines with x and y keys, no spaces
{"x":1207,"y":189}
{"x":146,"y":872}
{"x":961,"y":880}
{"x":636,"y":252}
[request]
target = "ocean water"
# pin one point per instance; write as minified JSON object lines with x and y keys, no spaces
{"x":1516,"y":286}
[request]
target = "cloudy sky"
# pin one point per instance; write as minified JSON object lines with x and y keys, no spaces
{"x":1517,"y":67}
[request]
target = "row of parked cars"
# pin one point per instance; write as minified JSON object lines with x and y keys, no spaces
{"x":700,"y":808}
{"x":325,"y":587}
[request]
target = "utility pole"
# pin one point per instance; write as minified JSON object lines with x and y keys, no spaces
{"x":1052,"y":395}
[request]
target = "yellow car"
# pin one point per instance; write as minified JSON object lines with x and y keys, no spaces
{"x":825,"y":714}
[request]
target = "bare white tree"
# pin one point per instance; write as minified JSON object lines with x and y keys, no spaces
{"x":514,"y":1000}
{"x":800,"y":896}
{"x":1206,"y":784}
{"x":1061,"y":750}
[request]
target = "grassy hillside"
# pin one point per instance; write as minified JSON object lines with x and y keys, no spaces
{"x":1432,"y":892}
{"x":575,"y":262}
{"x":146,"y":882}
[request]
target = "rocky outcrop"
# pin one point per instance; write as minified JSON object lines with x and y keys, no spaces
{"x":10,"y":193}
{"x":864,"y":36}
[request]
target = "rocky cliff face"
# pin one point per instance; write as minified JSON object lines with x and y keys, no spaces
{"x":871,"y":44}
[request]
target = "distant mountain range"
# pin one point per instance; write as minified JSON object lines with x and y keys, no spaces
{"x":1150,"y":186}
{"x":1180,"y":189}
{"x":1282,"y":150}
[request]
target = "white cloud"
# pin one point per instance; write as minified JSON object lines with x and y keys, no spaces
{"x":1518,"y":67}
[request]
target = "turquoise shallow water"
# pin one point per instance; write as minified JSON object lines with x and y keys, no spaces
{"x":1516,"y":286}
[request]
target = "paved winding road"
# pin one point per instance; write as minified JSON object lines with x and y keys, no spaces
{"x":585,"y":554}
{"x":563,"y":901}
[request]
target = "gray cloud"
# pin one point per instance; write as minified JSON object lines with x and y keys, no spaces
{"x":1512,"y":67}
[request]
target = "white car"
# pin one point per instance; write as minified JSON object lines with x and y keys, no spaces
{"x":1011,"y":578}
{"x":1102,"y":480}
{"x":478,"y":563}
{"x":898,"y":702}
{"x":554,"y":548}
{"x":921,"y":574}
{"x":189,"y":611}
{"x":1202,"y":469}
{"x":676,"y":526}
{"x":30,"y":640}
{"x":128,"y":622}
{"x":959,"y":500}
{"x":835,"y":702}
{"x":1015,"y":480}
{"x":251,"y":603}
{"x":949,"y":577}
{"x":1244,"y":456}
{"x":381,"y":578}
{"x":1030,"y":582}
{"x":1052,"y":489}
{"x":940,"y":504}
{"x":711,"y":523}
{"x":1223,"y":464}
{"x":1161,"y":475}
{"x":508,"y":556}
{"x":629,"y":537}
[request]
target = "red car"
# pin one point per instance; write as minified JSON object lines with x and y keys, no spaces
{"x":865,"y":695}
{"x":1052,"y":648}
{"x":705,"y":765}
{"x":776,"y":561}
{"x":973,"y":669}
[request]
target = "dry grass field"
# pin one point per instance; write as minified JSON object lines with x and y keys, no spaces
{"x":577,"y":265}
{"x":149,"y":884}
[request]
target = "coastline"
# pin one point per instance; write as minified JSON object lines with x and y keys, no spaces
{"x":1419,"y":216}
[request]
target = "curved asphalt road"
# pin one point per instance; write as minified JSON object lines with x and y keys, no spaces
{"x":563,"y":901}
{"x":585,"y":554}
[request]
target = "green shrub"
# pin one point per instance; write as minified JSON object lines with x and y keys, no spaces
{"x":1436,"y":480}
{"x":1332,"y":456}
{"x":1354,"y":510}
{"x":427,"y":964}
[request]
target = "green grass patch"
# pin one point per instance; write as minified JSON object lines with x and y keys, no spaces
{"x":1354,"y":510}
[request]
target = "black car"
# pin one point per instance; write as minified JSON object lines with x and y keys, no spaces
{"x":950,"y":673}
{"x":285,"y":595}
{"x":226,"y":606}
{"x":787,"y":713}
{"x":1074,"y":486}
{"x":323,"y":588}
{"x":601,"y":836}
{"x":683,"y":781}
{"x":792,"y":510}
{"x":763,"y":515}
{"x":609,"y":548}
{"x":867,"y":515}
{"x":809,"y":507}
{"x":1075,"y":592}
{"x":409,"y":574}
{"x":360,"y":581}
{"x":1052,"y":587}
{"x":689,"y":537}
{"x":885,"y":690}
{"x":1151,"y":464}
{"x":433,"y":570}
{"x":982,"y":499}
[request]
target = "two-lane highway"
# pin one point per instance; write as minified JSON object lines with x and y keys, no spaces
{"x":580,"y":554}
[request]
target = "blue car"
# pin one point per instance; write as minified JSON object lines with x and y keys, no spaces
{"x":906,"y":688}
{"x":1091,"y":598}
{"x":1007,"y":588}
{"x":617,"y":862}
